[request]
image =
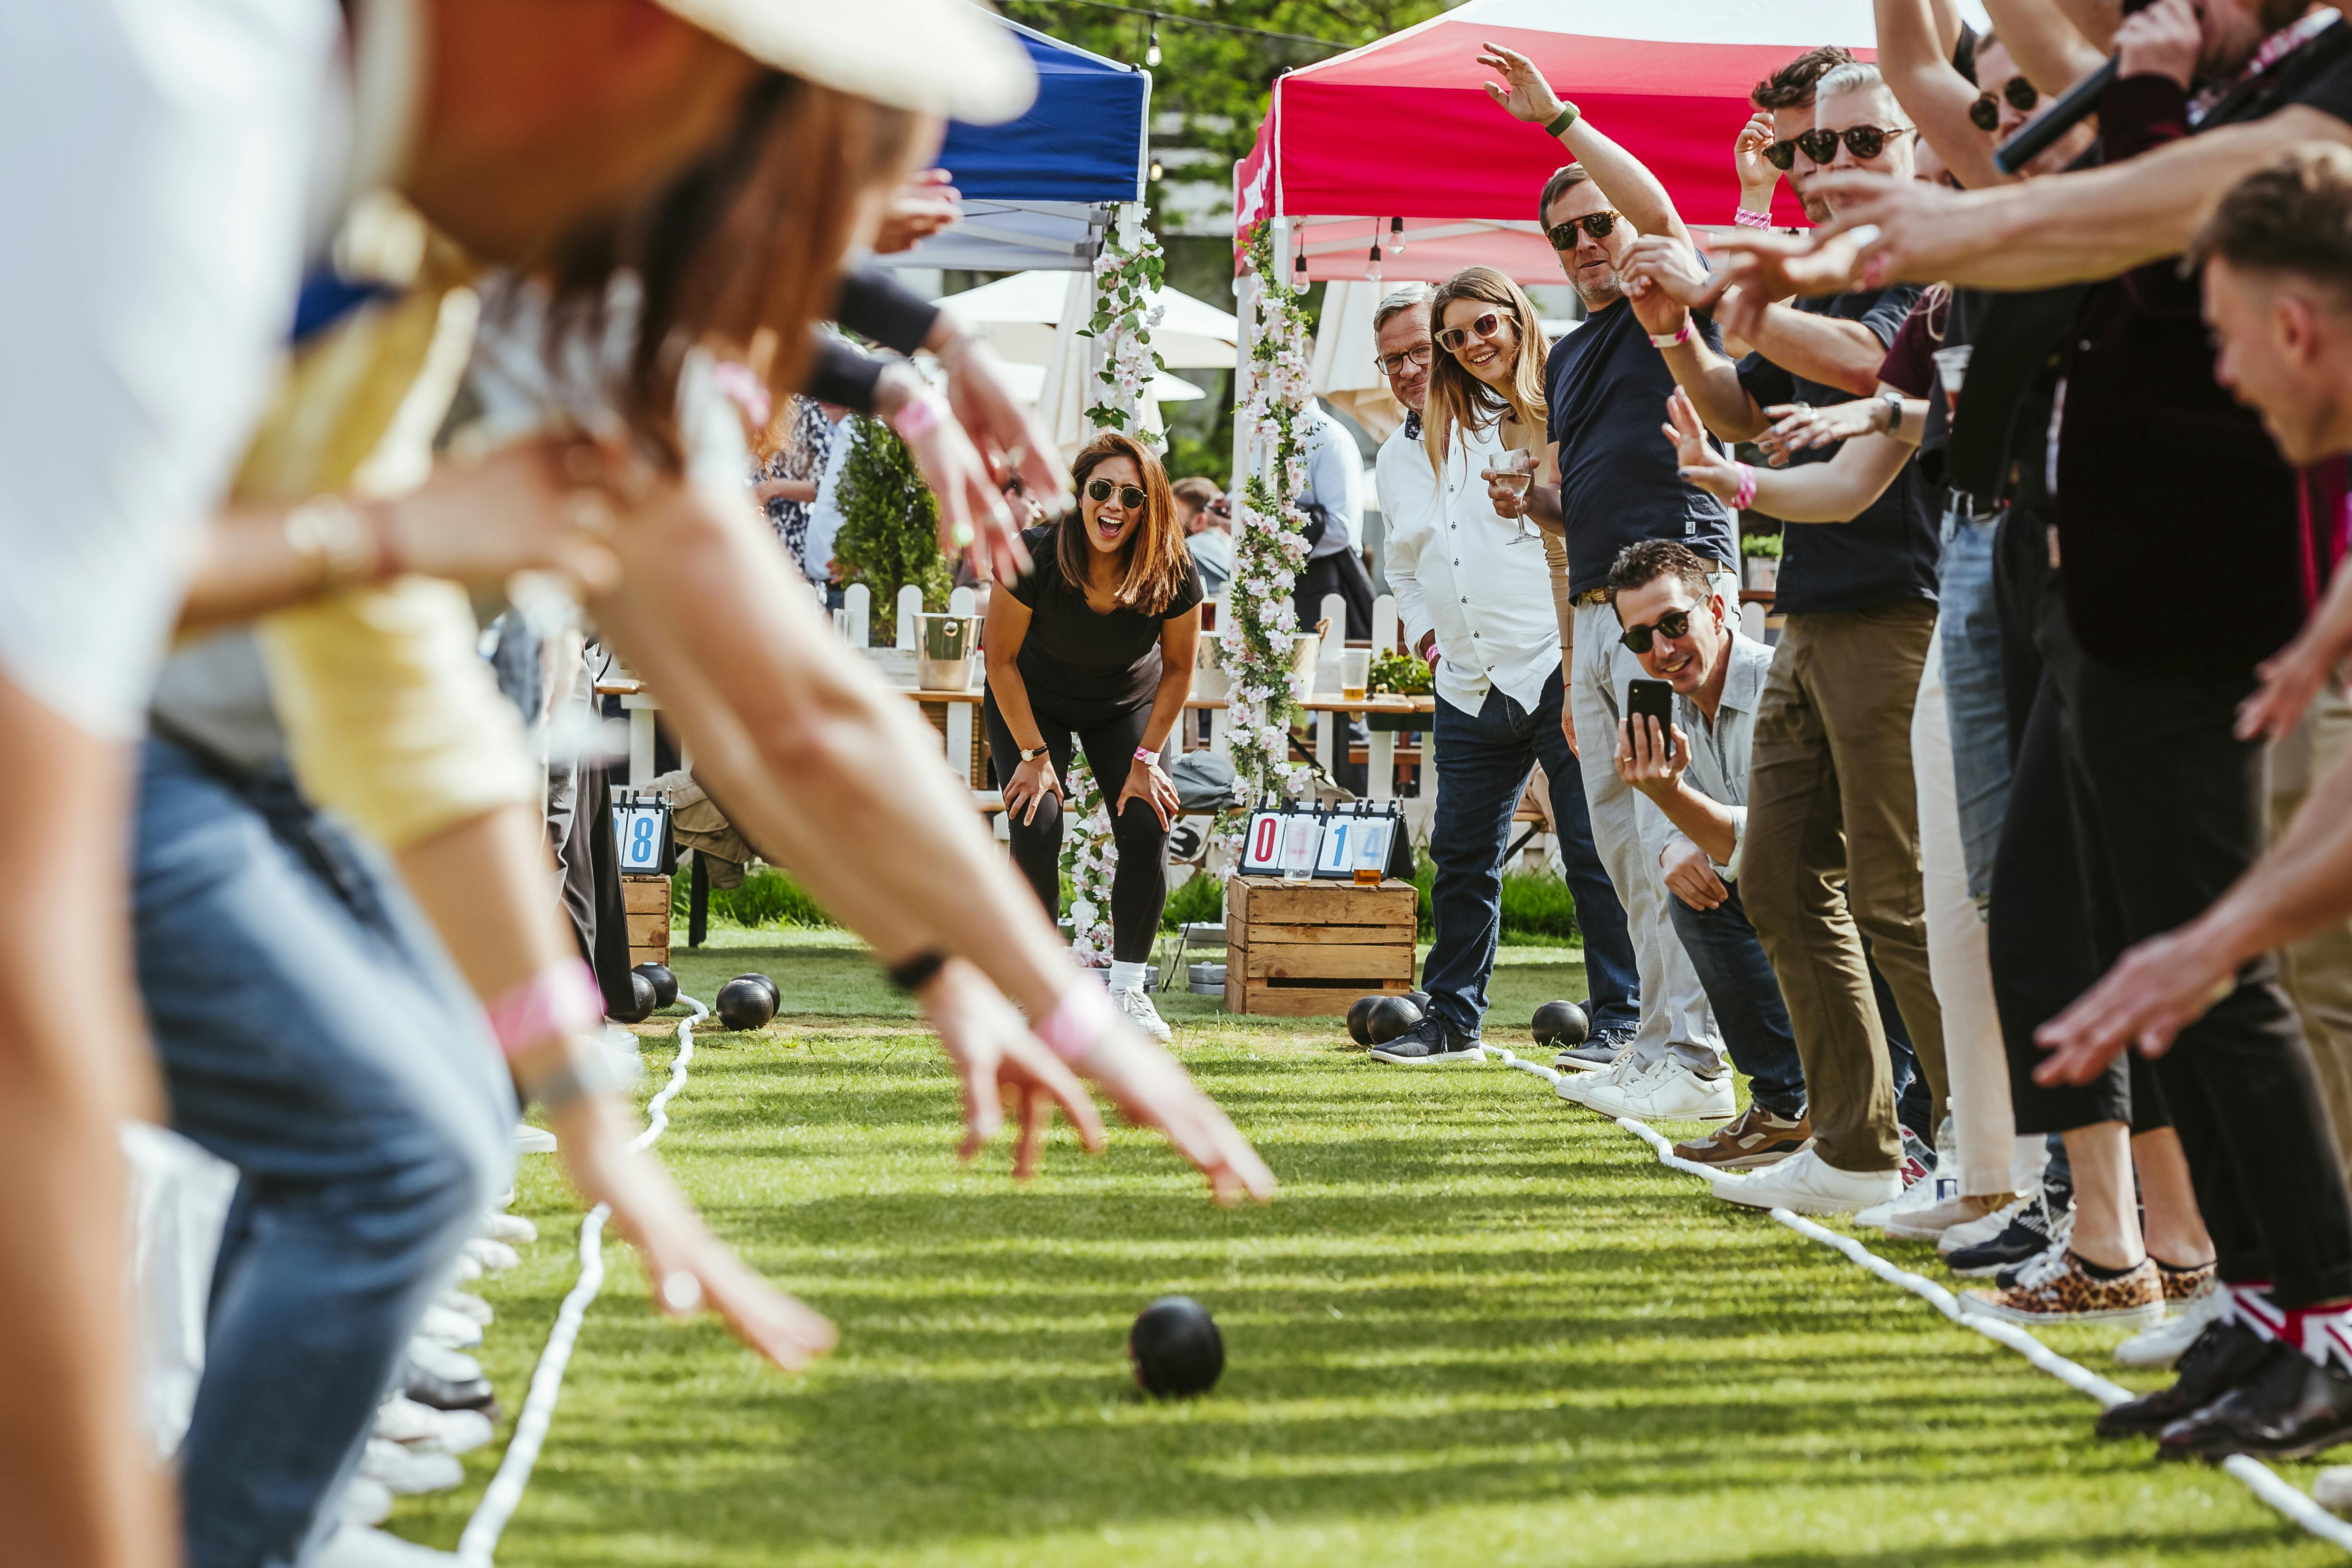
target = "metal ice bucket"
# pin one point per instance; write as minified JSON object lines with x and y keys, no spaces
{"x":944,"y":645}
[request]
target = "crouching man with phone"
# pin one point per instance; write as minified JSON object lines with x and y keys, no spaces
{"x":1684,"y":743}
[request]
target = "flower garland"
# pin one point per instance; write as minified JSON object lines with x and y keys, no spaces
{"x":1126,"y":274}
{"x":1269,"y":535}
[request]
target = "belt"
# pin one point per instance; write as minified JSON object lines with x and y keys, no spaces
{"x":1590,"y":597}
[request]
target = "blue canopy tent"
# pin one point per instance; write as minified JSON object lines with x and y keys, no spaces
{"x":1038,"y":191}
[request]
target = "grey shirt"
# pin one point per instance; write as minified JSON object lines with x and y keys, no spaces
{"x":1720,"y":751}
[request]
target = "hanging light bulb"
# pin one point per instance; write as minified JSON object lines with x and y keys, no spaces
{"x":1298,"y":270}
{"x":1396,"y":236}
{"x":1372,"y":264}
{"x":1151,"y":52}
{"x":1156,"y":170}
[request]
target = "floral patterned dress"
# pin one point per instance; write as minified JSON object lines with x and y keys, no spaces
{"x":803,"y":456}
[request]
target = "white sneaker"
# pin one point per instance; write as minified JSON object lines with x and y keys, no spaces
{"x":406,"y":1471}
{"x":440,"y":1361}
{"x":1668,"y":1091}
{"x":2331,"y":1488}
{"x":1574,"y":1086}
{"x":511,"y":1228}
{"x":443,"y":1326}
{"x":1807,"y":1184}
{"x":1137,"y":1005}
{"x":534,"y":1140}
{"x":494,"y":1257}
{"x":356,"y":1546}
{"x":2163,"y":1344}
{"x":429,"y":1431}
{"x":466,"y":1304}
{"x":1973,"y":1232}
{"x":364,"y":1502}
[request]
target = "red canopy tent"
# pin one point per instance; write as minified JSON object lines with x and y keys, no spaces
{"x":1403,"y":127}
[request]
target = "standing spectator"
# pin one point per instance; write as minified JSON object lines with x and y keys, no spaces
{"x":1095,"y":648}
{"x":1832,"y":799}
{"x":824,"y":518}
{"x":1475,"y":610}
{"x":1333,"y":504}
{"x":1609,"y":482}
{"x":787,"y":482}
{"x":1208,"y":532}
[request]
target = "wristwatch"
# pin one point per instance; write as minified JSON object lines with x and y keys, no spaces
{"x":1563,"y":119}
{"x":1031,"y":753}
{"x":1894,"y":402}
{"x":1150,"y":757}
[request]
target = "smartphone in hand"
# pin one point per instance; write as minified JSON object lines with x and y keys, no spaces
{"x":1651,"y":699}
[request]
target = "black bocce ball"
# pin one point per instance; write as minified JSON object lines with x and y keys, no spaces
{"x":640,"y":1004}
{"x":745,"y":1003}
{"x":1175,"y":1348}
{"x":1359,"y":1013}
{"x":1419,"y":999}
{"x":1389,"y":1017}
{"x":775,"y":996}
{"x":664,"y":983}
{"x":1561,"y":1023}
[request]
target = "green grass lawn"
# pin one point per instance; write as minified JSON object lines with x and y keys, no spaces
{"x":1479,"y":1326}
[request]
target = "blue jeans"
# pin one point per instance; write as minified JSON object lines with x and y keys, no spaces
{"x":1483,"y":762}
{"x":1974,"y":695}
{"x":313,"y":1034}
{"x":1746,"y":997}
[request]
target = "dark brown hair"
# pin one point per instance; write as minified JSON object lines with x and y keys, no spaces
{"x":1457,"y":397}
{"x":1196,"y":492}
{"x":2295,"y":216}
{"x":1564,"y":179}
{"x":748,"y":239}
{"x":1157,"y":560}
{"x":1639,"y":565}
{"x":1792,"y":86}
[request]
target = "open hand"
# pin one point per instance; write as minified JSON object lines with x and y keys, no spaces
{"x":1802,"y":427}
{"x":1030,"y":784}
{"x":481,"y":521}
{"x":1147,"y":783}
{"x":2156,"y":990}
{"x":1649,"y":761}
{"x":1010,"y":438}
{"x":2291,"y":678}
{"x":1528,"y":97}
{"x":928,"y":202}
{"x":1758,"y":178}
{"x":1151,"y":1089}
{"x":1695,"y":458}
{"x":1769,"y":265}
{"x":1905,"y":231}
{"x":999,"y":1062}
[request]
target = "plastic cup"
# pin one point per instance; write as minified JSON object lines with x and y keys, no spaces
{"x":1355,"y":674}
{"x":1951,"y":370}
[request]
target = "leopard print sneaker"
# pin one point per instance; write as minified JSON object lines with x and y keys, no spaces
{"x":2186,"y":1284}
{"x":2056,"y":1287}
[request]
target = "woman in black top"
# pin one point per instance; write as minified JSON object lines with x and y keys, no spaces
{"x":1096,"y":647}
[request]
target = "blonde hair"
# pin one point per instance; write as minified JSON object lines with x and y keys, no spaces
{"x":1457,"y":397}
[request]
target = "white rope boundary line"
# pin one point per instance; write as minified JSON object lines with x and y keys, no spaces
{"x":504,"y":1494}
{"x":2257,"y":1477}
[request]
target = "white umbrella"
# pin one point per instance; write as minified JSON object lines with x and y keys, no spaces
{"x":1020,"y":314}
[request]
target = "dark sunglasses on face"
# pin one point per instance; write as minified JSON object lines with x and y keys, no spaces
{"x":1130,"y":496}
{"x":1782,"y":156}
{"x":1600,"y":225}
{"x":1453,"y":339}
{"x":2022,"y":95}
{"x":1674,"y":624}
{"x":1862,"y":140}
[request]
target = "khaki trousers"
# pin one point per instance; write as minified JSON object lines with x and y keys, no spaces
{"x":2319,"y":970}
{"x":1831,"y":856}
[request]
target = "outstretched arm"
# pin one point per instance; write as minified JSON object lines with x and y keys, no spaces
{"x":1837,"y":491}
{"x":1625,"y":180}
{"x":1915,"y":56}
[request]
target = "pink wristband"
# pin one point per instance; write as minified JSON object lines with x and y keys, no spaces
{"x":1669,"y":339}
{"x":919,"y":414}
{"x":1747,"y":495}
{"x":1749,"y":219}
{"x":1083,"y":1017}
{"x":560,"y":999}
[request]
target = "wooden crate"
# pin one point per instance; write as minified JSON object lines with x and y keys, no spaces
{"x":1309,"y":949}
{"x":648,"y":903}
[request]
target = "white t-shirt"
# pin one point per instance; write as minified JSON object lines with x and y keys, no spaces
{"x":824,"y":512}
{"x":155,"y":159}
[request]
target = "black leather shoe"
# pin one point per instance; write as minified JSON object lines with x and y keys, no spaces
{"x":2291,"y":1409}
{"x":1429,"y":1040}
{"x":2225,"y":1356}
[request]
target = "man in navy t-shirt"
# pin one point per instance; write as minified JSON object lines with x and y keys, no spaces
{"x":1616,"y":486}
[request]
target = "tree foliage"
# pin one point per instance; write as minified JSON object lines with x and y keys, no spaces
{"x":889,"y":523}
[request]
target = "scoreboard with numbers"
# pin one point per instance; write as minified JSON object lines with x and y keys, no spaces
{"x":1302,"y":842}
{"x":642,"y":826}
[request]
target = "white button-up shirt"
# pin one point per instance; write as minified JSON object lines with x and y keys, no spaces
{"x":1461,"y":569}
{"x":1720,"y":751}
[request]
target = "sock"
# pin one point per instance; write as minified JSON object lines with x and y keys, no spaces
{"x":2098,"y":1273}
{"x":1126,"y":976}
{"x":2322,"y":1334}
{"x":2251,"y":1304}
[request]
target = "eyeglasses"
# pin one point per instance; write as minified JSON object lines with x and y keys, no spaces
{"x":1782,"y":155}
{"x":1490,"y":325}
{"x":1600,"y":225}
{"x":2022,"y":96}
{"x":1391,"y":365}
{"x":1132,"y":496}
{"x":1862,"y":140}
{"x":1674,"y":624}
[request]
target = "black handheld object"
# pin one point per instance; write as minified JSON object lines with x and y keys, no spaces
{"x":664,"y":983}
{"x":1175,"y":1348}
{"x":1560,"y":1023}
{"x":746,"y":1004}
{"x":1651,"y":699}
{"x":2078,"y":104}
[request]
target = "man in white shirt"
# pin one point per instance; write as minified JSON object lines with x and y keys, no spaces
{"x":1476,"y":603}
{"x":1335,"y":489}
{"x":1678,"y":623}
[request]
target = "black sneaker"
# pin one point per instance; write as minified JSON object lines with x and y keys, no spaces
{"x":2217,"y":1361}
{"x":2038,"y":1227}
{"x":1431,"y":1040}
{"x":1600,"y":1050}
{"x":2291,"y":1409}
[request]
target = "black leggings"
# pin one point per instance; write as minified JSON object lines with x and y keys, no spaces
{"x":1139,"y":887}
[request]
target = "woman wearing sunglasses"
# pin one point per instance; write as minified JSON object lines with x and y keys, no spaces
{"x":1094,"y":650}
{"x":1489,"y":376}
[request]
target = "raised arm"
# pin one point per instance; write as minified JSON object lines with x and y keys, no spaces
{"x":1631,"y":188}
{"x":1837,"y":491}
{"x":1915,"y":57}
{"x":2047,"y":44}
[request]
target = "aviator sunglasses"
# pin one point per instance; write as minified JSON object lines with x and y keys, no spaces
{"x":1600,"y":225}
{"x":1132,"y":496}
{"x":1863,"y":140}
{"x":1453,"y":339}
{"x":2022,"y":95}
{"x":1674,"y":624}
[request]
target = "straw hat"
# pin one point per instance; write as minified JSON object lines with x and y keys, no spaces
{"x":942,"y":57}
